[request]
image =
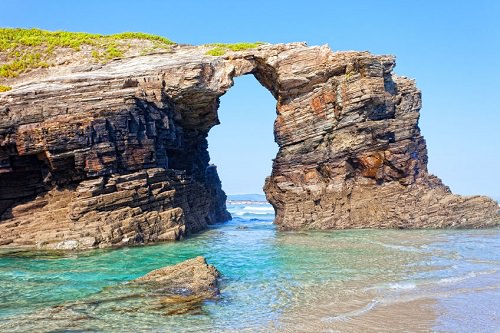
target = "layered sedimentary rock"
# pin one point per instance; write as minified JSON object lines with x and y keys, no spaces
{"x":93,"y":156}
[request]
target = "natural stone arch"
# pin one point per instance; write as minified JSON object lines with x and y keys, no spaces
{"x":350,"y":150}
{"x":122,"y":151}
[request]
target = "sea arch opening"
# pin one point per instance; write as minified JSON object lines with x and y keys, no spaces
{"x":243,"y":145}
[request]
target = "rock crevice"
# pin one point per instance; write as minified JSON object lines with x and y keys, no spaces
{"x":118,"y":154}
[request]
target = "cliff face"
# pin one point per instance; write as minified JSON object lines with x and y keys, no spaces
{"x":93,"y":156}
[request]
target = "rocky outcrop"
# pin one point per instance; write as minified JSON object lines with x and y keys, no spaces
{"x":146,"y":206}
{"x":190,"y":278}
{"x":94,"y":156}
{"x":351,"y":152}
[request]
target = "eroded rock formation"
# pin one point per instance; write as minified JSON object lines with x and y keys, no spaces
{"x":190,"y":278}
{"x":94,"y":156}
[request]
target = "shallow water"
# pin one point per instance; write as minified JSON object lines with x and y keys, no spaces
{"x":359,"y":280}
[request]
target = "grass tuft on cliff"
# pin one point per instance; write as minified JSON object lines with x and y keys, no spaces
{"x":221,"y":48}
{"x":4,"y":88}
{"x":22,"y":50}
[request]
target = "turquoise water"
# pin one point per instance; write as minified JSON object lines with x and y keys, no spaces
{"x":360,"y":280}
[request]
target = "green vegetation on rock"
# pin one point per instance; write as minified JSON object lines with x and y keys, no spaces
{"x":26,"y":49}
{"x":221,"y":48}
{"x":112,"y":51}
{"x":14,"y":38}
{"x":21,"y":64}
{"x":4,"y":88}
{"x":22,"y":50}
{"x":216,"y":51}
{"x":141,"y":35}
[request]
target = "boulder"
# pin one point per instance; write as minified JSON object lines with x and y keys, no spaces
{"x":193,"y":277}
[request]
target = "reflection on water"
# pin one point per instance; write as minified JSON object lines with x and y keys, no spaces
{"x":360,"y":280}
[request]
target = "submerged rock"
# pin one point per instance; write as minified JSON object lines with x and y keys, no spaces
{"x":171,"y":290}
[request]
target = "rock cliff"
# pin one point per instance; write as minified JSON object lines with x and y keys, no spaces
{"x":113,"y":154}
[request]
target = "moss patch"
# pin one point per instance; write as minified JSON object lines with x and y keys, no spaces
{"x":221,"y":48}
{"x":4,"y":88}
{"x":26,"y":49}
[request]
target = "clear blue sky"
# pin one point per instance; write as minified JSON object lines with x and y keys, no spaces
{"x":452,"y":49}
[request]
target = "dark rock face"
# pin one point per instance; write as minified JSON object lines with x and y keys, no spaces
{"x":118,"y":154}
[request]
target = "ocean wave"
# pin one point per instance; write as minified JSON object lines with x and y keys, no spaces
{"x":431,"y":283}
{"x":251,"y":213}
{"x":355,"y":313}
{"x":251,"y":210}
{"x":254,"y":208}
{"x":470,"y":275}
{"x":402,"y":285}
{"x":397,"y":247}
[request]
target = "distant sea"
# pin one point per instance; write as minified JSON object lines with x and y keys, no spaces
{"x":247,"y":197}
{"x":307,"y":281}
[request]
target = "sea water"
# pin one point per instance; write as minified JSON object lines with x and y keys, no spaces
{"x":309,"y":281}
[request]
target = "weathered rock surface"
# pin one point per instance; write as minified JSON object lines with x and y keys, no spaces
{"x":193,"y":277}
{"x":117,"y":154}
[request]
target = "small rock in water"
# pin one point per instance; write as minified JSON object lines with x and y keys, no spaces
{"x":183,"y":287}
{"x":188,"y":278}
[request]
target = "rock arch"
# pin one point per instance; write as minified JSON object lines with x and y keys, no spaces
{"x":122,"y":154}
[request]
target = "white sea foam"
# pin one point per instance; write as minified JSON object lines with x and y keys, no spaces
{"x":254,"y":208}
{"x":397,"y":247}
{"x":251,"y":213}
{"x":456,"y":279}
{"x":251,"y":210}
{"x":402,"y":285}
{"x":470,"y":275}
{"x":430,"y":283}
{"x":393,"y":286}
{"x":354,"y":313}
